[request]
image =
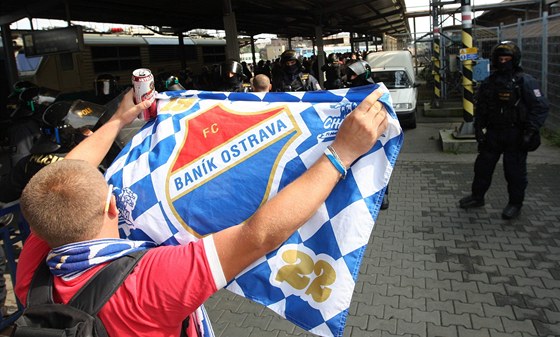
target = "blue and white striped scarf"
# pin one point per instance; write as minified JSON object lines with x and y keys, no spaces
{"x":73,"y":259}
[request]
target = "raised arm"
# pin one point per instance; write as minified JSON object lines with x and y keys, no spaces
{"x":95,"y":147}
{"x":281,"y":216}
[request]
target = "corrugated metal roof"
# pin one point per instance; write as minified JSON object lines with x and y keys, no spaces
{"x":285,"y":17}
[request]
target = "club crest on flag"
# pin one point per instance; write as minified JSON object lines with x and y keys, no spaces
{"x":217,"y":143}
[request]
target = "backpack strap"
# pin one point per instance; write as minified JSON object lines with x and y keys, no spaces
{"x":91,"y":297}
{"x":101,"y":286}
{"x":40,"y":289}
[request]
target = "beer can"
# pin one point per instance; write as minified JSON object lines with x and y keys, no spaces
{"x":144,"y":90}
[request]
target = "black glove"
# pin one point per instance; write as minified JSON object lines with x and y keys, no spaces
{"x":530,"y":140}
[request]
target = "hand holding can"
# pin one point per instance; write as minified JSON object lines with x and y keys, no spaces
{"x":144,"y":90}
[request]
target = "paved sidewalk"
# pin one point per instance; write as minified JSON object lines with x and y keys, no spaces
{"x":432,"y":269}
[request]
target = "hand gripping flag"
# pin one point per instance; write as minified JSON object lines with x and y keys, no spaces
{"x":210,"y":159}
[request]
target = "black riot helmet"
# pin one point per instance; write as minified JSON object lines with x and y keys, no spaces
{"x":358,"y":73}
{"x":231,"y":67}
{"x":286,"y":57}
{"x":65,"y":124}
{"x":506,"y":48}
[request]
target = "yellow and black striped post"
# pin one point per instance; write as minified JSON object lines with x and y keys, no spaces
{"x":468,"y":53}
{"x":467,"y":41}
{"x":436,"y":56}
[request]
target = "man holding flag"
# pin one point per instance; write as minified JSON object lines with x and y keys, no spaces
{"x":74,"y":218}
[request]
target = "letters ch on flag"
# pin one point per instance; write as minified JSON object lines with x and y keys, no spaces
{"x":210,"y":159}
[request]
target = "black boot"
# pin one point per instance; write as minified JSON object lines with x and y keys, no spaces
{"x":511,"y":211}
{"x":471,"y":202}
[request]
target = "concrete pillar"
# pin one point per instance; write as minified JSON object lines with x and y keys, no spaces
{"x":230,"y":25}
{"x":253,"y":51}
{"x":320,"y":50}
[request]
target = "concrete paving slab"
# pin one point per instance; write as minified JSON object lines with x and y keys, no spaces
{"x":433,"y":269}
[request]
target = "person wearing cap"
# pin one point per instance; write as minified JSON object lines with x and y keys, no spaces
{"x":510,"y":109}
{"x":289,"y":76}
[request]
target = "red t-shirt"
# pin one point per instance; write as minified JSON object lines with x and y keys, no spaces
{"x":167,"y":285}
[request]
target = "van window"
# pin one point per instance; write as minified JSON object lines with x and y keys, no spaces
{"x":393,"y":79}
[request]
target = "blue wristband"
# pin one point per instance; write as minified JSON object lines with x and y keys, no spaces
{"x":335,"y":160}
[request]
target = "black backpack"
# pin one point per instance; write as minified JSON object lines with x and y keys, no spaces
{"x":78,"y":318}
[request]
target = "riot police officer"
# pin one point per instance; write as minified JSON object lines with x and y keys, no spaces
{"x":358,"y":73}
{"x":332,"y":72}
{"x":510,"y":110}
{"x":64,"y":125}
{"x":290,"y":76}
{"x":231,"y":77}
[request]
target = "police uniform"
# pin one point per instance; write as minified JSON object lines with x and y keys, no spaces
{"x":61,"y":129}
{"x":23,"y":171}
{"x":231,"y":77}
{"x":236,"y":87}
{"x":299,"y":81}
{"x":510,"y":110}
{"x":291,"y":77}
{"x":332,"y":73}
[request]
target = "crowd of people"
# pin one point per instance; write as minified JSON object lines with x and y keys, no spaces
{"x":289,"y":72}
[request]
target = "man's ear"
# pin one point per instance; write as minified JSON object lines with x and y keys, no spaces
{"x":113,"y":210}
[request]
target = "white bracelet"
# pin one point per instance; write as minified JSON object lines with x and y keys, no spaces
{"x":335,"y":160}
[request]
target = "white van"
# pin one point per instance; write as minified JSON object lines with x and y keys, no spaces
{"x":395,"y":70}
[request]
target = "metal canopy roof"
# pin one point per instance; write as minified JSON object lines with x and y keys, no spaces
{"x":286,"y":18}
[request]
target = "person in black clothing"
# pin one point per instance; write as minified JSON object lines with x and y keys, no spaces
{"x":332,"y":72}
{"x":510,"y":110}
{"x":61,"y":130}
{"x":290,"y":77}
{"x":247,"y":74}
{"x":358,"y":73}
{"x":231,"y":76}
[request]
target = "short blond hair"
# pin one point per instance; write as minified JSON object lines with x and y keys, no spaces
{"x":64,"y":202}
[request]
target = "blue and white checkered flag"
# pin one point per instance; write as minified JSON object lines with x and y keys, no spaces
{"x":210,"y":159}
